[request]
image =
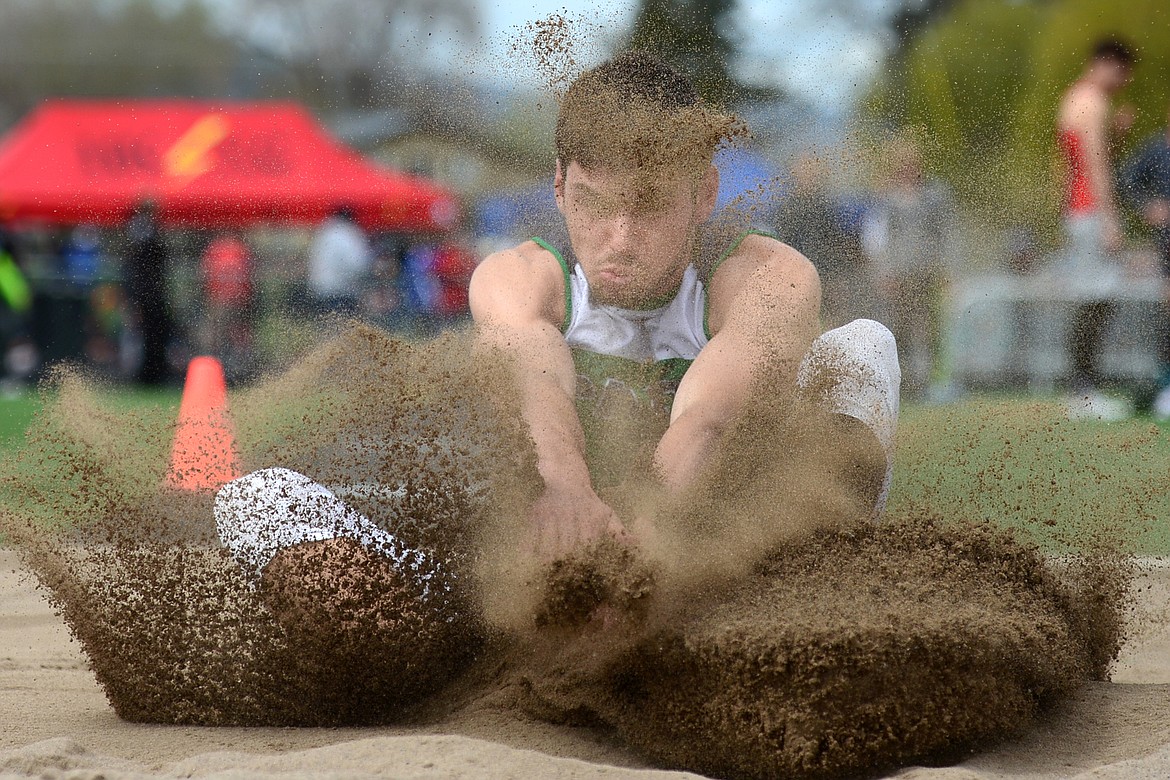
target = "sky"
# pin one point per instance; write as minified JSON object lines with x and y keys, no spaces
{"x":801,"y":45}
{"x":824,"y":51}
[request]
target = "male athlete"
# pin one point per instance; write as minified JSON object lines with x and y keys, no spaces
{"x":635,"y":276}
{"x":637,"y":285}
{"x":1085,"y":124}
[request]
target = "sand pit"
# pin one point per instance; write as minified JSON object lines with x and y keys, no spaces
{"x":799,"y":643}
{"x":57,"y":723}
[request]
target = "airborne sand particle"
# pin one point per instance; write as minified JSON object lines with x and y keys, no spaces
{"x":762,"y":633}
{"x":813,"y":651}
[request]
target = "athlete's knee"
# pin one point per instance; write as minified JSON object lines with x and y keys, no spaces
{"x":245,"y":496}
{"x":875,"y":334}
{"x":264,"y":511}
{"x":867,"y":341}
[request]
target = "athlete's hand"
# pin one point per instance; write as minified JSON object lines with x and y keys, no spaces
{"x":569,"y":518}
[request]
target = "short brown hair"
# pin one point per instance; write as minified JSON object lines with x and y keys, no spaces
{"x":636,"y":110}
{"x":1116,"y":50}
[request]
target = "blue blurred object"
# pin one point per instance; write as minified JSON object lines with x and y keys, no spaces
{"x":81,"y":260}
{"x":750,"y":175}
{"x":518,"y":213}
{"x":418,"y":285}
{"x":851,"y":211}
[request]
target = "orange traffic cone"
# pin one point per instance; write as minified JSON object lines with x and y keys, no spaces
{"x":203,"y":456}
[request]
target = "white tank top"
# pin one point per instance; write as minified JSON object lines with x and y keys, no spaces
{"x":642,"y":347}
{"x":675,"y":330}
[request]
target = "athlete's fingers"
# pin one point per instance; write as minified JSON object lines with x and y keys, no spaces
{"x":643,"y":532}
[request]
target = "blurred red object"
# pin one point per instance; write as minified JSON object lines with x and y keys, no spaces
{"x":227,"y":271}
{"x":453,"y":266}
{"x":208,"y":164}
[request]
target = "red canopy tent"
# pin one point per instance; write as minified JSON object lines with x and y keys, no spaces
{"x":210,"y":164}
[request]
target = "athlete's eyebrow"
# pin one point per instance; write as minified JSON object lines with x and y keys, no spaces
{"x":586,"y":189}
{"x":594,"y":198}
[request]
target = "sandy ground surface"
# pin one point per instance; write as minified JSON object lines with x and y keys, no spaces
{"x":55,"y":723}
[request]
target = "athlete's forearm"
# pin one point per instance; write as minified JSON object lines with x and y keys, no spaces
{"x":505,"y":301}
{"x":556,"y":433}
{"x":545,"y":382}
{"x":685,"y":448}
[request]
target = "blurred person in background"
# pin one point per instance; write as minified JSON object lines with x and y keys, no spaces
{"x":21,"y":357}
{"x":421,"y":290}
{"x":382,"y":301}
{"x":1085,"y":125}
{"x":453,"y":265}
{"x":1145,"y":181}
{"x":69,"y":300}
{"x":144,"y":278}
{"x":808,"y":220}
{"x":226,"y":268}
{"x":81,"y":260}
{"x":340,"y":263}
{"x":906,"y":234}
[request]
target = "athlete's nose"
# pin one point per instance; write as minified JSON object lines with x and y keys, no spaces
{"x":622,"y":232}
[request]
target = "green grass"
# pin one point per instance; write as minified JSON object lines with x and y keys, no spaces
{"x":1022,"y":463}
{"x":31,"y":473}
{"x":17,"y":410}
{"x":1010,"y":461}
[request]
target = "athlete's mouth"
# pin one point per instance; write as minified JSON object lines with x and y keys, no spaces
{"x":613,"y":274}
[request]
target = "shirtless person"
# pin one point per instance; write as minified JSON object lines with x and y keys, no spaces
{"x":1093,"y":230}
{"x":634,"y":279}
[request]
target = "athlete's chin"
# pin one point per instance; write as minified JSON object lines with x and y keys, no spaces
{"x":619,"y":295}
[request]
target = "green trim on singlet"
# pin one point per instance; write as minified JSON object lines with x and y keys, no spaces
{"x":568,"y":290}
{"x":715,"y":267}
{"x":638,"y":376}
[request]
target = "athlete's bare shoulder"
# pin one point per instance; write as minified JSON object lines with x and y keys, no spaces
{"x":756,"y":249}
{"x":761,"y":272}
{"x":1082,"y":104}
{"x":522,"y":282}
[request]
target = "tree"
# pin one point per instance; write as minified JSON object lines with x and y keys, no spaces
{"x":90,"y":49}
{"x":341,"y":53}
{"x":692,"y":35}
{"x":980,"y":86}
{"x":912,"y":16}
{"x":355,"y":52}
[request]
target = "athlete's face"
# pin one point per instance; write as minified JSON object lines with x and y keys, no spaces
{"x":1111,"y":74}
{"x":633,"y":237}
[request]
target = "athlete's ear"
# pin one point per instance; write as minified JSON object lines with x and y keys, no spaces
{"x":708,"y":193}
{"x":559,"y":186}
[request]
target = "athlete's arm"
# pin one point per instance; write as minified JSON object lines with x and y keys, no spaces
{"x":764,"y":306}
{"x":517,"y":299}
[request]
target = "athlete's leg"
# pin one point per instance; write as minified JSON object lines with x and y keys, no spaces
{"x":317,"y":558}
{"x":376,"y":625}
{"x":853,"y":371}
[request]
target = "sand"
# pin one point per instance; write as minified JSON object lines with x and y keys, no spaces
{"x":56,"y":723}
{"x":823,"y":650}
